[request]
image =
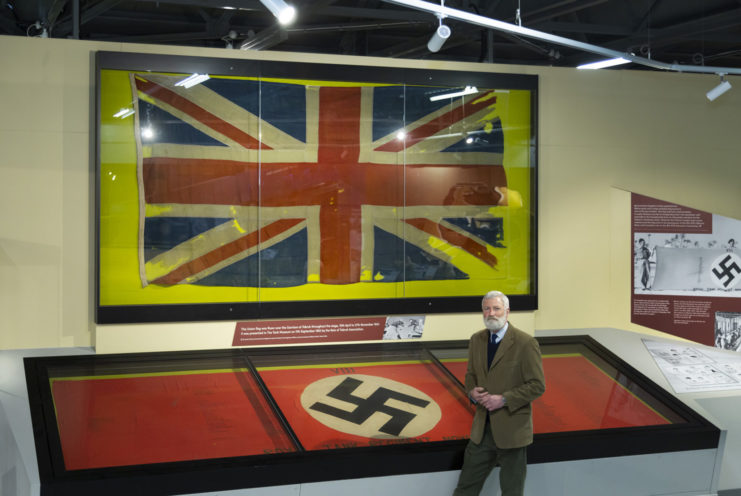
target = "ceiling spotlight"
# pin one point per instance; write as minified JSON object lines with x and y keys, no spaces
{"x":719,"y":90}
{"x":280,"y":9}
{"x":442,"y":33}
{"x":229,"y":38}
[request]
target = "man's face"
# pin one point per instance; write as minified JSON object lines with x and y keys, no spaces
{"x":495,"y":315}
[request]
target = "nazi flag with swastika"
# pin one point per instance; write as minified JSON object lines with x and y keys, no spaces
{"x":361,"y":404}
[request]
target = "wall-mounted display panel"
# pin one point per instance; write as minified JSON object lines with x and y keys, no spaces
{"x":293,"y":189}
{"x":171,"y":423}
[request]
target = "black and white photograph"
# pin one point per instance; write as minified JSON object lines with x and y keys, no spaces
{"x":728,"y":330}
{"x":407,"y":327}
{"x":686,"y":264}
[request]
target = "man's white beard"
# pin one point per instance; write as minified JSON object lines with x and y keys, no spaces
{"x":495,"y":323}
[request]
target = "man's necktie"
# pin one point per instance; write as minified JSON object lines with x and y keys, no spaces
{"x":491,"y":349}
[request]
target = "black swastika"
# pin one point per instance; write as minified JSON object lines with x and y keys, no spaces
{"x":730,"y":272}
{"x":366,"y":407}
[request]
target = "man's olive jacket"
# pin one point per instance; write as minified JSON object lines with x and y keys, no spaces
{"x":516,"y":372}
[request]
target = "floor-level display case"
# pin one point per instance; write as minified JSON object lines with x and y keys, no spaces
{"x":187,"y":422}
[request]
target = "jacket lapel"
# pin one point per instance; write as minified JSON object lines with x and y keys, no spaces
{"x":483,"y":341}
{"x":503,"y":347}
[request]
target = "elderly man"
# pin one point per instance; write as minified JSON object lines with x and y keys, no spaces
{"x":504,"y":376}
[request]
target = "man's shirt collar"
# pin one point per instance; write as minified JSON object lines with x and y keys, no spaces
{"x":500,"y":333}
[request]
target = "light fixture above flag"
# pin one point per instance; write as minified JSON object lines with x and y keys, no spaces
{"x":602,"y":64}
{"x":720,"y":89}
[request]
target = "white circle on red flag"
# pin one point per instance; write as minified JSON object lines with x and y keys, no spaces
{"x":370,"y":406}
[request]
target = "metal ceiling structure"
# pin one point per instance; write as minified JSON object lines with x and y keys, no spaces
{"x":682,"y":32}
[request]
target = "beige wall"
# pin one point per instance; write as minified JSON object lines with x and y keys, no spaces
{"x":602,"y":135}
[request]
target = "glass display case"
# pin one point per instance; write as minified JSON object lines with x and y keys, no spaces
{"x":183,"y":422}
{"x":340,"y":189}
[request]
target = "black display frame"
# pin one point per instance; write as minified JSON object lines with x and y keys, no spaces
{"x":695,"y":433}
{"x":141,"y":313}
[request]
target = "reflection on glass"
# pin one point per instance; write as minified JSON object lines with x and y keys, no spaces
{"x":139,"y":415}
{"x":583,"y":392}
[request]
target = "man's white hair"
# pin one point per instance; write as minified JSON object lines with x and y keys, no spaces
{"x":496,"y":294}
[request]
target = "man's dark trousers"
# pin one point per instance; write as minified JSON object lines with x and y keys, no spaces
{"x":482,"y":458}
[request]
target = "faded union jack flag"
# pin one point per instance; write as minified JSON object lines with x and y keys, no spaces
{"x":275,"y":184}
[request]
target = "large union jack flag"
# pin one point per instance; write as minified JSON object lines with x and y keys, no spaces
{"x":278,"y":183}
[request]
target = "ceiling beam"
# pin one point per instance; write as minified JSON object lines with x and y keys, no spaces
{"x":684,"y":30}
{"x":159,"y":38}
{"x":9,"y":26}
{"x":65,"y":26}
